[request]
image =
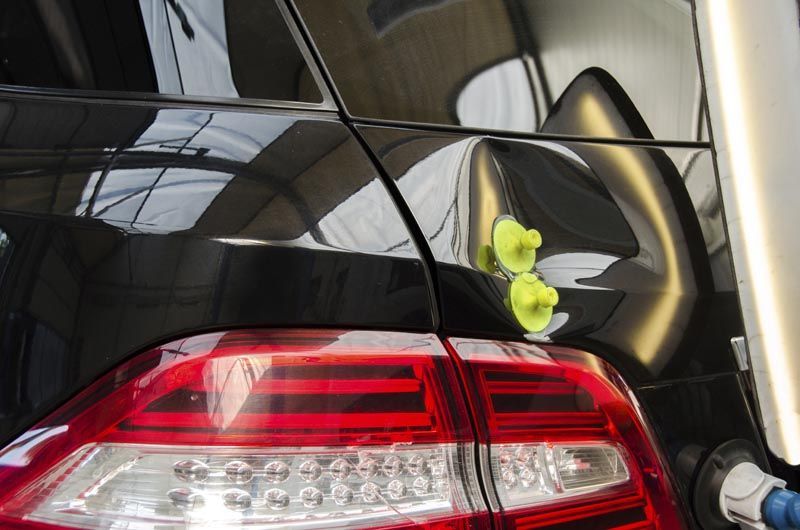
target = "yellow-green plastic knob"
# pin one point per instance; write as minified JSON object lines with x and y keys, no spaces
{"x":531,"y":239}
{"x":532,"y":302}
{"x":547,"y":297}
{"x":514,"y":246}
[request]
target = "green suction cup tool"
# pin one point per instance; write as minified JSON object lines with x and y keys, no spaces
{"x":514,"y":246}
{"x":532,"y":302}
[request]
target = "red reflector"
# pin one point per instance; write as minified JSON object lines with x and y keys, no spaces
{"x":266,"y":429}
{"x":567,"y":445}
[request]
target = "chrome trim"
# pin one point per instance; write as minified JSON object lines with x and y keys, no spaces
{"x":739,"y":345}
{"x":149,"y":97}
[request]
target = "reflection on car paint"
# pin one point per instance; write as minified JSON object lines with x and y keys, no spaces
{"x":620,"y":224}
{"x":132,"y":224}
{"x":505,"y":66}
{"x":190,"y":172}
{"x":624,"y":249}
{"x":6,"y":249}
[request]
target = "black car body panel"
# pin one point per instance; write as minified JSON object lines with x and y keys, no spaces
{"x":635,"y":247}
{"x":187,"y":209}
{"x":692,"y":416}
{"x":635,"y":275}
{"x":129,"y":225}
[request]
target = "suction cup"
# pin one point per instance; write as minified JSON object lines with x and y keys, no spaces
{"x":532,"y":301}
{"x":514,"y":246}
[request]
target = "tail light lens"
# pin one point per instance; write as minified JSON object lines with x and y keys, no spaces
{"x":279,"y":429}
{"x":341,"y":429}
{"x":567,"y":446}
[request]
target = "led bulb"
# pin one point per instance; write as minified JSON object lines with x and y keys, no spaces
{"x":239,"y":472}
{"x":276,"y":472}
{"x":509,"y":479}
{"x":396,"y":489}
{"x":506,"y":458}
{"x":523,"y":457}
{"x":185,"y":498}
{"x":311,"y":497}
{"x":417,"y":465}
{"x":342,"y":495}
{"x":392,"y":466}
{"x":367,"y":468}
{"x":310,"y":471}
{"x":423,"y":486}
{"x":191,"y":470}
{"x":340,"y":469}
{"x":237,"y":499}
{"x":277,"y":499}
{"x":371,"y":492}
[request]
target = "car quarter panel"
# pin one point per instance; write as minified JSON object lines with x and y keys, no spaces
{"x":123,"y":225}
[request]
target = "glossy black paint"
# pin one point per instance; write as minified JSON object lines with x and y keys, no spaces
{"x":695,"y":416}
{"x":622,"y":243}
{"x":129,"y":225}
{"x":634,"y":245}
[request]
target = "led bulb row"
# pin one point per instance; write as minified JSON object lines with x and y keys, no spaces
{"x":521,"y":467}
{"x":312,"y":497}
{"x":538,"y":472}
{"x":311,"y":470}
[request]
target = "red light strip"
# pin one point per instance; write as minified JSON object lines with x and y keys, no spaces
{"x":340,"y":386}
{"x":249,"y":421}
{"x":551,"y":515}
{"x":526,"y":387}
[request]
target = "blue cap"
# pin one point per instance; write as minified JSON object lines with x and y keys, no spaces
{"x":782,"y":509}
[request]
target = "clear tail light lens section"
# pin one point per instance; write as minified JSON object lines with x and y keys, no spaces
{"x":146,"y":486}
{"x":541,"y":472}
{"x":258,"y":429}
{"x":565,"y":442}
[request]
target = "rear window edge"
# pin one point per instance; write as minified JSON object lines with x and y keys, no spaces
{"x":326,"y":105}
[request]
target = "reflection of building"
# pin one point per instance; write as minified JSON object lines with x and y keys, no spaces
{"x":135,"y":223}
{"x":180,"y":174}
{"x":503,"y":64}
{"x":206,"y":49}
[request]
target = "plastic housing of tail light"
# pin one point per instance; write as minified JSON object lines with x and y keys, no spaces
{"x":565,"y":441}
{"x":259,"y":429}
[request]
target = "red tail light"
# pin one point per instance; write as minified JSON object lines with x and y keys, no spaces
{"x":258,"y":429}
{"x":321,"y":429}
{"x":566,"y":445}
